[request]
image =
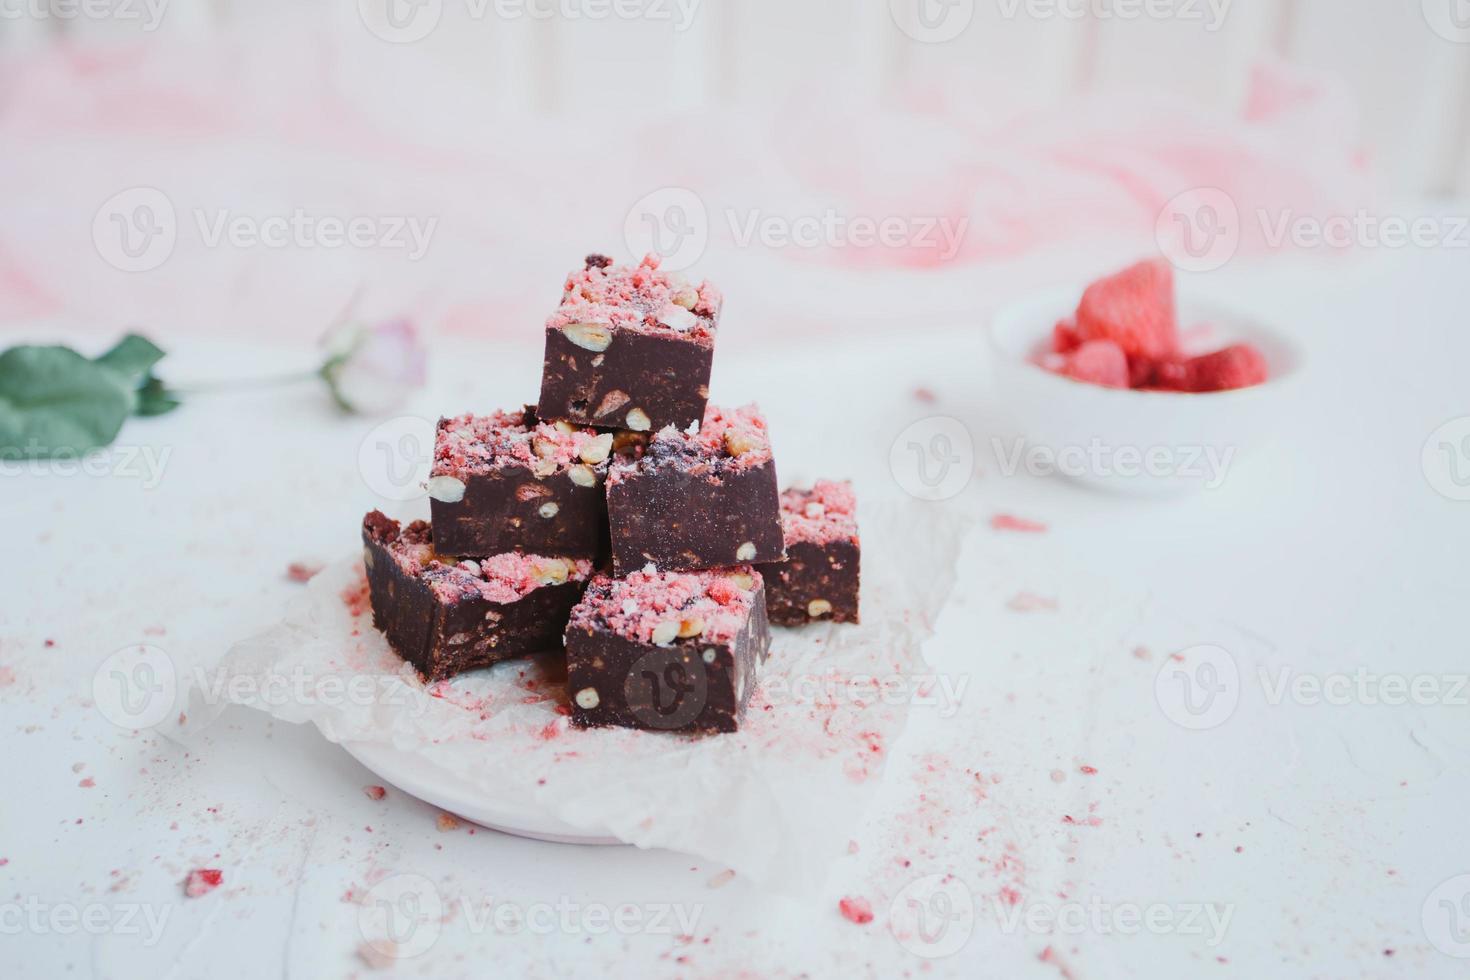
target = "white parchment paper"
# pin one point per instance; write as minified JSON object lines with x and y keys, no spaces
{"x":777,"y":802}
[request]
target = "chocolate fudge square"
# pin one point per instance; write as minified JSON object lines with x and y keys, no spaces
{"x":510,"y":482}
{"x":820,"y":577}
{"x":447,"y":616}
{"x":667,"y":651}
{"x":689,"y":500}
{"x":630,"y":347}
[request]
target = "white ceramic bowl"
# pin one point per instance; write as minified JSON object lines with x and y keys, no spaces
{"x":1132,"y":441}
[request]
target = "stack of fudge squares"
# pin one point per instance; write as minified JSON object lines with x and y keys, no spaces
{"x":623,"y":521}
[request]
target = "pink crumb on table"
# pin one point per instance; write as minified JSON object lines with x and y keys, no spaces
{"x":374,"y":792}
{"x":1009,"y":522}
{"x":638,"y":604}
{"x":856,"y":910}
{"x":357,"y":598}
{"x":7,"y":676}
{"x":202,"y":881}
{"x":445,"y":822}
{"x":1030,"y":602}
{"x":640,"y":298}
{"x":302,"y":571}
{"x":825,"y":513}
{"x":87,"y":783}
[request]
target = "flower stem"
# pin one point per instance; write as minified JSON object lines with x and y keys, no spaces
{"x":246,"y":384}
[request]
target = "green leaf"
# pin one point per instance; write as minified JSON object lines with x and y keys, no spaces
{"x":54,"y":401}
{"x":133,"y":358}
{"x":154,"y":398}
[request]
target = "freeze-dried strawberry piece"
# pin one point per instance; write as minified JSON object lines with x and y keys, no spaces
{"x":1099,"y":362}
{"x":1171,"y":374}
{"x":856,"y":910}
{"x":1237,"y":366}
{"x":1064,"y":337}
{"x":1134,"y":309}
{"x":203,"y":881}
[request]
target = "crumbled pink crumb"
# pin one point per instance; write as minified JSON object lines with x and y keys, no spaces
{"x":500,"y":579}
{"x":301,"y":571}
{"x":634,"y":606}
{"x":1030,"y":602}
{"x":468,"y":445}
{"x":1008,"y":522}
{"x":1088,"y":771}
{"x":856,"y":910}
{"x":378,"y":955}
{"x":203,"y":881}
{"x":728,"y":440}
{"x":375,"y":792}
{"x":925,"y":395}
{"x":87,"y":783}
{"x":638,"y":298}
{"x":447,"y":823}
{"x":827,"y":512}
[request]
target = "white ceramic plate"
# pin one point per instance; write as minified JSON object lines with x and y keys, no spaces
{"x":413,"y":776}
{"x":1185,"y":432}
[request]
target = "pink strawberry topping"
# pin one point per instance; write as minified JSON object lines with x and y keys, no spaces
{"x":726,"y":440}
{"x":712,"y":605}
{"x":500,"y":578}
{"x":640,"y":298}
{"x":466,"y":445}
{"x":827,"y":512}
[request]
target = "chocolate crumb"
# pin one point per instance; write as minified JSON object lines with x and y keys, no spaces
{"x":598,"y":261}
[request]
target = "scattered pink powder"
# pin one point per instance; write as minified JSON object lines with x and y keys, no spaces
{"x":468,"y":445}
{"x":1030,"y":602}
{"x":825,"y":513}
{"x":1050,"y":957}
{"x":357,"y":598}
{"x":633,"y":607}
{"x":203,"y":881}
{"x":87,"y":783}
{"x":375,"y":792}
{"x":638,"y":298}
{"x":856,"y":910}
{"x":1007,"y":522}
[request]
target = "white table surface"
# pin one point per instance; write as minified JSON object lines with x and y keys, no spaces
{"x":1322,"y":828}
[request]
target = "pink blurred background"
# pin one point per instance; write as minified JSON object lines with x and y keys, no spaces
{"x":243,"y":169}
